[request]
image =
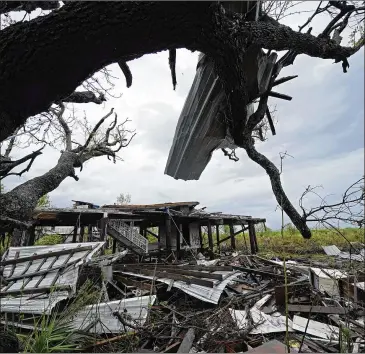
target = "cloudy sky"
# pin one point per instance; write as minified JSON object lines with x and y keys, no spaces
{"x":322,"y":128}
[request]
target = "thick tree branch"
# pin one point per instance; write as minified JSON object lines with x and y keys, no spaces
{"x":11,"y":144}
{"x":97,"y":126}
{"x":19,"y":203}
{"x":84,"y":97}
{"x":126,"y":71}
{"x":277,"y":188}
{"x":172,"y":65}
{"x":154,"y":26}
{"x":6,"y":166}
{"x":350,"y":209}
{"x":27,"y":6}
{"x":64,"y":125}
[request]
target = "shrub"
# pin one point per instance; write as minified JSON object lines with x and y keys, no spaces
{"x":49,"y":240}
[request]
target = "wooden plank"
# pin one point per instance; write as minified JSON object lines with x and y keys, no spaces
{"x":193,"y":273}
{"x":170,"y":348}
{"x":74,"y":236}
{"x":273,"y":346}
{"x":240,"y":231}
{"x":45,"y":255}
{"x":151,"y":233}
{"x":187,"y":342}
{"x":224,"y":239}
{"x":280,"y":291}
{"x":158,"y":274}
{"x":186,"y":267}
{"x":258,"y":271}
{"x":317,"y":309}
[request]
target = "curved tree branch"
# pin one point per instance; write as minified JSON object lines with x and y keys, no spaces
{"x":84,"y":97}
{"x":6,"y":165}
{"x":278,"y":190}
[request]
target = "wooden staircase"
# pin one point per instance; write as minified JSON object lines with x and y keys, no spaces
{"x":128,"y":236}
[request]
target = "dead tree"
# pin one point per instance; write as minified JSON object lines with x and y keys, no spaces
{"x":32,"y":50}
{"x":347,"y":210}
{"x":17,"y":205}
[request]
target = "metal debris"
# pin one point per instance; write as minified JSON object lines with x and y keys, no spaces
{"x":234,"y":303}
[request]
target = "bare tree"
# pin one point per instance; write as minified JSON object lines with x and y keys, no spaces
{"x":348,"y":210}
{"x":17,"y":205}
{"x":124,"y":198}
{"x":32,"y":50}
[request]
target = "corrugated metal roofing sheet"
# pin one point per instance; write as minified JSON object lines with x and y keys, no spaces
{"x":335,"y":251}
{"x":150,"y":206}
{"x":28,"y":303}
{"x":331,"y":250}
{"x":203,"y":293}
{"x":136,"y":310}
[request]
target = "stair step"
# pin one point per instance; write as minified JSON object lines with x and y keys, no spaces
{"x":128,"y":236}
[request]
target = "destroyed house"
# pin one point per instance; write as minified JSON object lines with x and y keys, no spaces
{"x":148,"y":229}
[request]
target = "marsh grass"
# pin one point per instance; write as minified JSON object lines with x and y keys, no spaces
{"x":292,"y":245}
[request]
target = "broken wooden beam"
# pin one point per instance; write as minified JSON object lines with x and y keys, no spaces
{"x":193,"y":273}
{"x":185,"y":266}
{"x":187,"y":342}
{"x":317,"y":309}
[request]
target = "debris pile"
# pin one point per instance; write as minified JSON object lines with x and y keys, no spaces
{"x":234,"y":304}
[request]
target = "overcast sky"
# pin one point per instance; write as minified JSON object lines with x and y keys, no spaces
{"x":322,"y":128}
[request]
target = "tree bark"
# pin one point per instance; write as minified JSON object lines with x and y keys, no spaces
{"x":20,"y":202}
{"x":41,"y":64}
{"x":278,"y":190}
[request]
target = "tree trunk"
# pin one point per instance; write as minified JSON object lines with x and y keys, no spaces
{"x":20,"y":202}
{"x":41,"y":64}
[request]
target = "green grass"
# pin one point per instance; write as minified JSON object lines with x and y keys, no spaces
{"x":292,"y":244}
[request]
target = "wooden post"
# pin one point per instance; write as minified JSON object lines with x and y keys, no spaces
{"x":178,"y":241}
{"x":90,"y":233}
{"x":233,"y":240}
{"x":252,"y":236}
{"x":200,"y":237}
{"x":186,"y":232}
{"x":31,"y":236}
{"x":114,"y":246}
{"x":217,"y":236}
{"x":74,"y":236}
{"x":168,"y":233}
{"x":103,"y":225}
{"x":82,"y":233}
{"x":210,"y":236}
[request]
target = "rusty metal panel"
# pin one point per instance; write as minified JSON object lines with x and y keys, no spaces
{"x":274,"y":346}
